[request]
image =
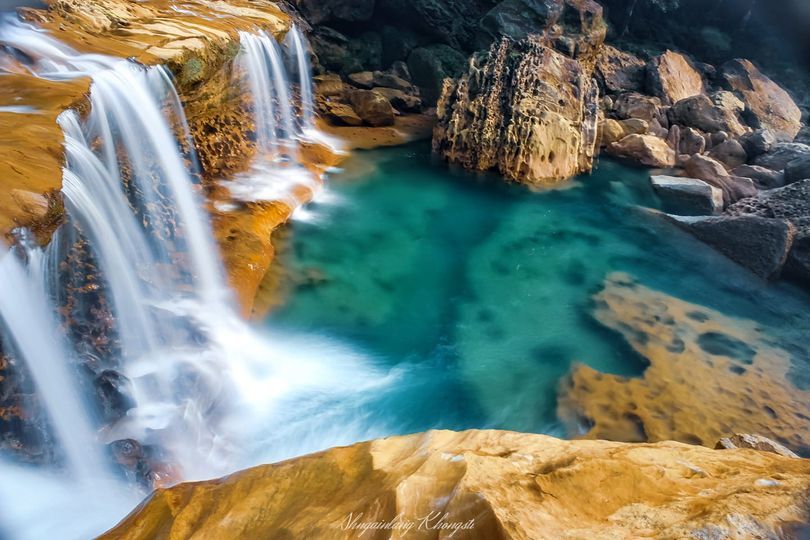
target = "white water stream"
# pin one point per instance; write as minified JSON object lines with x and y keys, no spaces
{"x":208,"y":389}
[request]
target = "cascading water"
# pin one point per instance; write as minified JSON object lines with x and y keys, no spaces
{"x":277,"y":172}
{"x":206,"y":389}
{"x":295,"y":42}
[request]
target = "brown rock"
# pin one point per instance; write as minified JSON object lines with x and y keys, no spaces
{"x":762,"y":177}
{"x":343,"y":114}
{"x":619,"y":71}
{"x":362,"y":79}
{"x":329,"y":85}
{"x":692,"y":142}
{"x":730,"y":153}
{"x":400,"y":100}
{"x":645,"y":149}
{"x":634,"y":105}
{"x":33,"y":204}
{"x":372,"y":107}
{"x":672,"y":77}
{"x":702,"y":113}
{"x":492,"y":485}
{"x":610,"y":131}
{"x":635,"y":125}
{"x":754,"y":442}
{"x":709,"y":375}
{"x":712,"y":171}
{"x":770,"y":106}
{"x":524,"y":110}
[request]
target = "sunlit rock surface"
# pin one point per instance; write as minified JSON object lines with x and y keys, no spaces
{"x":489,"y":484}
{"x":523,"y":109}
{"x":709,"y":375}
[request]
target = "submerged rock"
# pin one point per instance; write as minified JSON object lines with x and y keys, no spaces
{"x":709,"y":375}
{"x":487,"y":484}
{"x":524,"y":110}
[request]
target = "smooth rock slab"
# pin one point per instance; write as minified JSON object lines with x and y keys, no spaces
{"x":492,"y":485}
{"x":689,"y":194}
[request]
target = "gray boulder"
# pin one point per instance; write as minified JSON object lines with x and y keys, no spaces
{"x":781,"y":154}
{"x":798,"y":169}
{"x":762,"y":177}
{"x":688,"y":196}
{"x":757,"y":243}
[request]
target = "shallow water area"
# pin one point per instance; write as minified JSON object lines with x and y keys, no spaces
{"x":479,"y":294}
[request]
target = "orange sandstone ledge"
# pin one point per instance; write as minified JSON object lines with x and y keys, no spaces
{"x":489,"y":485}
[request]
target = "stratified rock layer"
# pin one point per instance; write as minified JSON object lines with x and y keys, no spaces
{"x":710,"y":375}
{"x":488,"y":485}
{"x":524,"y":110}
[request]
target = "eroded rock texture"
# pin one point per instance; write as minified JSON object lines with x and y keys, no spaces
{"x":510,"y":485}
{"x":710,"y":375}
{"x":523,"y":109}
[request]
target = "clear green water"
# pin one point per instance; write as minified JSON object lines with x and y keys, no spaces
{"x":475,"y":295}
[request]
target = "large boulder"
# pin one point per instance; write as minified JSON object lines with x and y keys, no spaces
{"x":645,"y":149}
{"x":672,"y":77}
{"x":758,"y":142}
{"x":767,"y":104}
{"x":430,"y":66}
{"x":780,"y":154}
{"x":790,"y":203}
{"x":688,"y":195}
{"x":635,"y":105}
{"x":400,"y":100}
{"x":759,"y":244}
{"x":730,"y":153}
{"x":372,"y":107}
{"x":524,"y":110}
{"x":619,"y":71}
{"x":721,"y":112}
{"x":798,"y":169}
{"x":762,"y":177}
{"x":712,"y":171}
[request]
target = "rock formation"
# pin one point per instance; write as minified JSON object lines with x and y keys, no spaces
{"x":524,"y":110}
{"x":489,"y":484}
{"x":709,"y":375}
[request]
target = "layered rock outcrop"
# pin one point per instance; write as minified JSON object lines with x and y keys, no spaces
{"x":525,"y":110}
{"x":493,"y":485}
{"x":709,"y":375}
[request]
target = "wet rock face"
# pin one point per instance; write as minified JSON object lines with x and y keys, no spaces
{"x":523,"y":109}
{"x":489,"y":484}
{"x":708,"y":374}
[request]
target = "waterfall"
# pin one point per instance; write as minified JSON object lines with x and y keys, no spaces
{"x":27,"y":317}
{"x":199,"y":380}
{"x":277,"y":171}
{"x":295,"y":41}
